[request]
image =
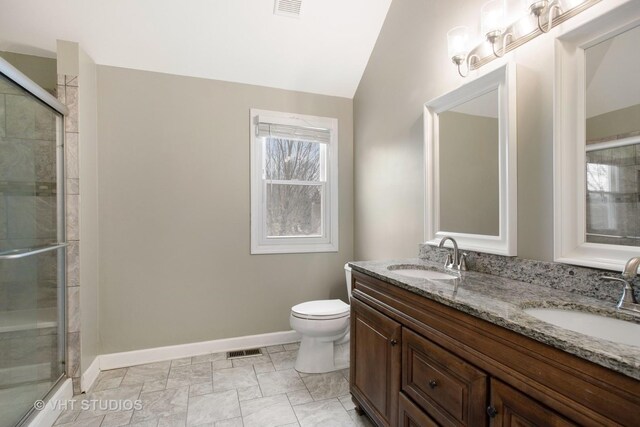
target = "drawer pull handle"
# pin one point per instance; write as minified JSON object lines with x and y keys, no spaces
{"x":433,"y":384}
{"x":491,"y":411}
{"x":394,"y":342}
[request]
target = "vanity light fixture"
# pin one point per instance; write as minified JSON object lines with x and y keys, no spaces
{"x":504,"y":38}
{"x":492,"y":23}
{"x":458,"y":45}
{"x":544,"y":7}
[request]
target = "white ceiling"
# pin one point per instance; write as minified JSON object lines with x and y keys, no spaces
{"x":324,"y":51}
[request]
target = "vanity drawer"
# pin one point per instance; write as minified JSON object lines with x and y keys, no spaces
{"x":409,"y":415}
{"x":450,"y":390}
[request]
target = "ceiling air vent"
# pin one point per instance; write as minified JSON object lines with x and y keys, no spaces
{"x":289,"y":8}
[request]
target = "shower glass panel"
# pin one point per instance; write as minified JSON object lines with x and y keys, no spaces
{"x":32,"y":259}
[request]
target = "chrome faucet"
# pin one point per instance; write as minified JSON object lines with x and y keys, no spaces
{"x":628,"y":299}
{"x":456,"y":262}
{"x":631,"y":269}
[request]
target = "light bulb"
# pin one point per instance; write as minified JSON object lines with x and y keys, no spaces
{"x":458,"y":41}
{"x":492,"y":16}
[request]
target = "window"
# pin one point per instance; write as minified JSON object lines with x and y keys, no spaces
{"x":294,"y":183}
{"x":601,"y":211}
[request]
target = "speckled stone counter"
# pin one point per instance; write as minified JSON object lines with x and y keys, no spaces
{"x":570,"y":278}
{"x":502,"y":301}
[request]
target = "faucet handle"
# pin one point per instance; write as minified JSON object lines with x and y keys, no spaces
{"x":448,"y":263}
{"x":462,"y":266}
{"x":627,"y":292}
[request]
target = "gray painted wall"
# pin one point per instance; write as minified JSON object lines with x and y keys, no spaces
{"x":174,"y":186}
{"x":408,"y":67}
{"x":619,"y":122}
{"x":40,"y":70}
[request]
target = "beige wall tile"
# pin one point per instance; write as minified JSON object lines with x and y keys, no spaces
{"x":73,"y":220}
{"x":73,"y":309}
{"x":73,"y":264}
{"x":72,"y":166}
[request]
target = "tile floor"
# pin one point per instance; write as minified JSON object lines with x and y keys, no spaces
{"x":209,"y":390}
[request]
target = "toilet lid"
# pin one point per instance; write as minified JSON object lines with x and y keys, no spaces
{"x":325,"y":309}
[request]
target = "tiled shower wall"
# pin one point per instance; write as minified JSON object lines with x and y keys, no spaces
{"x":68,"y":95}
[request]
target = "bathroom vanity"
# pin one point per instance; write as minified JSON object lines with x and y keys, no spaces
{"x":462,"y":352}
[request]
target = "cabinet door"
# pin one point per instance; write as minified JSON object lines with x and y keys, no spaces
{"x":375,"y":362}
{"x":409,"y":415}
{"x":510,"y":408}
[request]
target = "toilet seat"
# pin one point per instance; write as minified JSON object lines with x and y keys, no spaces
{"x":321,"y":310}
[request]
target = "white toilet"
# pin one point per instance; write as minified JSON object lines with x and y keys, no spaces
{"x":322,"y":324}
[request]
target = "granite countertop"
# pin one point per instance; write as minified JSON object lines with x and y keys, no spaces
{"x":502,"y":301}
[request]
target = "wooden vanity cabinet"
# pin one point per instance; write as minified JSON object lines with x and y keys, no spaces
{"x":375,"y":339}
{"x":416,"y":362}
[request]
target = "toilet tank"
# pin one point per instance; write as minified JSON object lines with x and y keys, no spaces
{"x":347,"y":273}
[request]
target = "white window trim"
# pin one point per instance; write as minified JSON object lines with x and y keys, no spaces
{"x":328,"y":242}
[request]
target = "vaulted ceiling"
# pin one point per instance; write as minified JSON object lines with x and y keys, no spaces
{"x":323,"y":51}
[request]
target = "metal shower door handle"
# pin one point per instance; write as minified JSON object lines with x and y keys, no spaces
{"x":25,"y":252}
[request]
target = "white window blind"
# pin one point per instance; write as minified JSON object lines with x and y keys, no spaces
{"x":275,"y":130}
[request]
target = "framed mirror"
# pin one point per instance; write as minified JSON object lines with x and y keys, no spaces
{"x":470,"y":164}
{"x":597,"y":141}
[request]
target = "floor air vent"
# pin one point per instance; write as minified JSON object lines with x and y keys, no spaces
{"x":243,"y":353}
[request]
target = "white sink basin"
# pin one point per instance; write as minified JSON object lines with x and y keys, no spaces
{"x":421,"y":273}
{"x":597,"y":326}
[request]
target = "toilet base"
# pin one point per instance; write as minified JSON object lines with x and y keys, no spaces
{"x":316,"y":356}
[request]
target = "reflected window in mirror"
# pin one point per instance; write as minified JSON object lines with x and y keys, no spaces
{"x":613,"y":191}
{"x":612,"y":80}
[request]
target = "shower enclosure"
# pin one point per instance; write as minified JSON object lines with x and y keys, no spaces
{"x":32,"y":245}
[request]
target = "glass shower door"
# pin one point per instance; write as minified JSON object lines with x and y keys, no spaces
{"x":32,"y":257}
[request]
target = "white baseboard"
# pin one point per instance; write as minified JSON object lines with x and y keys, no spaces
{"x":50,"y":413}
{"x":90,"y":375}
{"x":158,"y":354}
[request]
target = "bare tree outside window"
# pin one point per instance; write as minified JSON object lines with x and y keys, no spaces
{"x":598,"y":177}
{"x":294,"y":190}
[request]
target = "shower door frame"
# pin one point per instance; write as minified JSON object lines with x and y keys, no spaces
{"x":16,"y":76}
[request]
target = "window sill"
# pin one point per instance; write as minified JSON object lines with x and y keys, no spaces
{"x":293,"y":249}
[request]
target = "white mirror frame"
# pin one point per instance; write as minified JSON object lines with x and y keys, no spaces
{"x":569,"y":156}
{"x":504,"y":80}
